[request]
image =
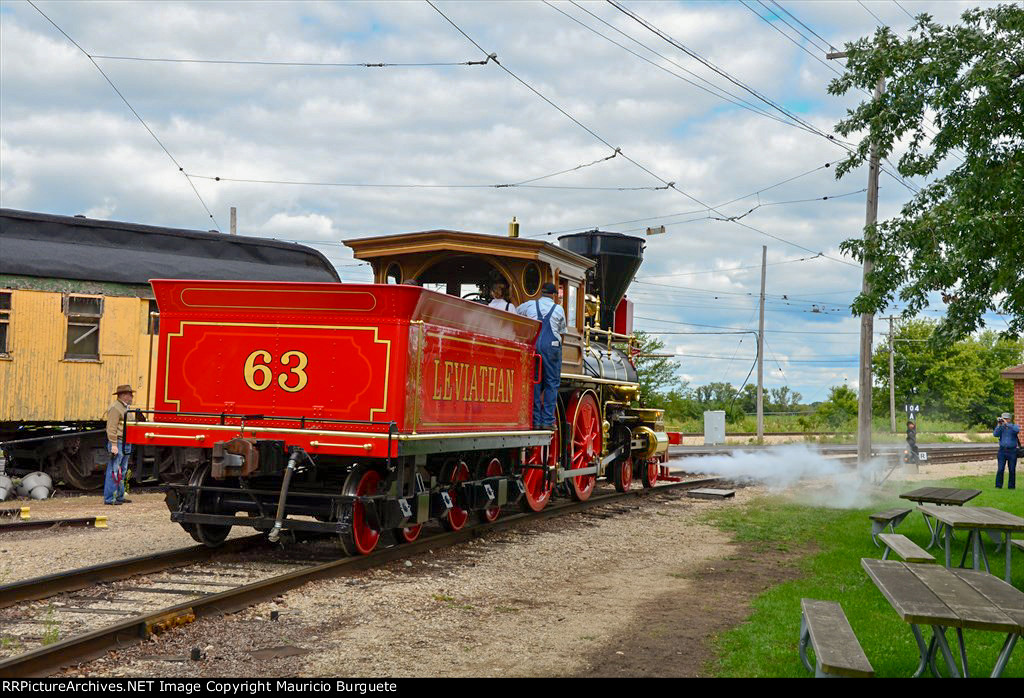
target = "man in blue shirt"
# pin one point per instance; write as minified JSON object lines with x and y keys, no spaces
{"x":549,"y":346}
{"x":1007,"y":432}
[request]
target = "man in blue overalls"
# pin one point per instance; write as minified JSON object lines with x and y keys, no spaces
{"x":549,"y":346}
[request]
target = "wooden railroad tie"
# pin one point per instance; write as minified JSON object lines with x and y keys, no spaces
{"x":711,"y":493}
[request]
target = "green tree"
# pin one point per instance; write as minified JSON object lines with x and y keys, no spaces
{"x":655,"y":371}
{"x":956,"y":380}
{"x":839,"y":408}
{"x":961,"y":235}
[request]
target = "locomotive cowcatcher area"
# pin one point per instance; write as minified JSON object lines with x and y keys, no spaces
{"x":670,"y":586}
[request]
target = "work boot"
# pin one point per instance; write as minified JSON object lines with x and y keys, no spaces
{"x":123,"y":501}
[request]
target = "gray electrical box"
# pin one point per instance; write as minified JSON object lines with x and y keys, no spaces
{"x":714,"y":427}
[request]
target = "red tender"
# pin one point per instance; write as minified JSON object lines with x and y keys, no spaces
{"x":426,"y":361}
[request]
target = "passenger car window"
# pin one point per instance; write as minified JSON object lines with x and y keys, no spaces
{"x":5,"y":322}
{"x":84,"y":313}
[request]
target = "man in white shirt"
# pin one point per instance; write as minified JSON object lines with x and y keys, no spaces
{"x":549,"y":346}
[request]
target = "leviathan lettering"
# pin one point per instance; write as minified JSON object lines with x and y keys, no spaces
{"x":457,"y":381}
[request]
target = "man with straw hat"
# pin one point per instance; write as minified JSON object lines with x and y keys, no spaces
{"x":1008,"y":434}
{"x":117,"y":466}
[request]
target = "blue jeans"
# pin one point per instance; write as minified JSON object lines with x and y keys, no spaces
{"x":1007,"y":457}
{"x":545,"y":393}
{"x":113,"y":484}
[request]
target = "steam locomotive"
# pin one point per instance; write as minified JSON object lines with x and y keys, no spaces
{"x":357,"y":409}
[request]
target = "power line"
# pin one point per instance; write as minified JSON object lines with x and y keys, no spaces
{"x":880,"y":22}
{"x":132,"y":109}
{"x":828,"y":44}
{"x":794,"y":41}
{"x":722,"y":327}
{"x":288,"y":63}
{"x":386,"y":185}
{"x":747,"y":266}
{"x":693,"y":54}
{"x":895,"y":2}
{"x":726,"y":95}
{"x":792,"y":361}
{"x":686,"y":213}
{"x":668,"y":184}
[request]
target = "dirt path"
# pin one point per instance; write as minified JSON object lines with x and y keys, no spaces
{"x":556,"y":598}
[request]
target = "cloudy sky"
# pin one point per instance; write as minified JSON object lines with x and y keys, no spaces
{"x":69,"y":145}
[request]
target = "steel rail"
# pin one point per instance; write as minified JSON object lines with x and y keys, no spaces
{"x":84,"y":577}
{"x":76,"y":649}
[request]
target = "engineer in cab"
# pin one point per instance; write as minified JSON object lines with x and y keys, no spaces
{"x":549,"y":346}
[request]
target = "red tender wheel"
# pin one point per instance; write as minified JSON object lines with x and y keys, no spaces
{"x":408,"y":534}
{"x":490,"y":513}
{"x":537,"y":486}
{"x":453,"y":473}
{"x":584,"y":442}
{"x":362,"y":538}
{"x":650,"y":472}
{"x":622,"y":474}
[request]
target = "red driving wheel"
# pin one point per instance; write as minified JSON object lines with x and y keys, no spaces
{"x":584,"y":442}
{"x":537,"y":486}
{"x":490,"y":513}
{"x":362,"y":538}
{"x":454,"y":472}
{"x":622,"y":474}
{"x":409,"y":533}
{"x":650,"y":472}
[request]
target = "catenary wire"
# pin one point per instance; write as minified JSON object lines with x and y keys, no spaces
{"x":667,"y":183}
{"x":132,"y":109}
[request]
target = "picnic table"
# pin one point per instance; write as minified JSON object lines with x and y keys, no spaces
{"x":944,"y":598}
{"x":939,"y":496}
{"x":975,"y":520}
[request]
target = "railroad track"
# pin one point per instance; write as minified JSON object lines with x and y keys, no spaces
{"x":231,"y":584}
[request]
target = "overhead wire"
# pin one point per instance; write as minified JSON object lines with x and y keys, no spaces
{"x":667,"y":183}
{"x":714,"y":68}
{"x":685,"y":213}
{"x":303,"y":64}
{"x":132,"y":109}
{"x":725,"y":94}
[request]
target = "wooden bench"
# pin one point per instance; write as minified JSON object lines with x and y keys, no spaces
{"x":1018,"y":544}
{"x":904,"y":547}
{"x":836,"y":649}
{"x":890,"y":519}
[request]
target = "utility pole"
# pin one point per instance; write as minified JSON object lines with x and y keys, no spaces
{"x":892,"y":378}
{"x":867,"y":320}
{"x":760,"y":351}
{"x":234,"y":221}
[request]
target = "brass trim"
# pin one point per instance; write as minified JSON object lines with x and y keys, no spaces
{"x":331,"y":432}
{"x":181,"y":297}
{"x":421,"y":340}
{"x":154,"y":435}
{"x":376,"y":340}
{"x":591,"y":379}
{"x":318,"y":444}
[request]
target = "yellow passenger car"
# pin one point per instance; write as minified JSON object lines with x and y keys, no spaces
{"x":77,"y":318}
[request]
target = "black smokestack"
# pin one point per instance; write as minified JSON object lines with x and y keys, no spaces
{"x":618,"y":257}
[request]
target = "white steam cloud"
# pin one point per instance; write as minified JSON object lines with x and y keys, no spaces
{"x":822,"y":481}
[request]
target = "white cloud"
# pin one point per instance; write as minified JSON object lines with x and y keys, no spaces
{"x":69,"y":145}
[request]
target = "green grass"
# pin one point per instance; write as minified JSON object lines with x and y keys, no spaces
{"x":766,"y":645}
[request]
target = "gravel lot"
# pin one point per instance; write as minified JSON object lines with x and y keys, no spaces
{"x":603,"y":592}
